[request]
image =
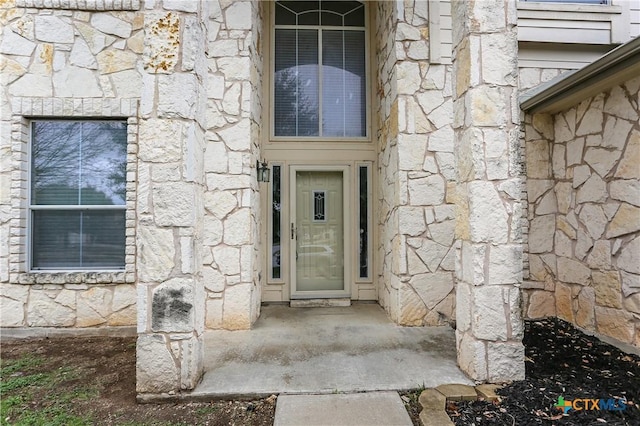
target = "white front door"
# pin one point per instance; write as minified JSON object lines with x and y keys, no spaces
{"x":319,"y":233}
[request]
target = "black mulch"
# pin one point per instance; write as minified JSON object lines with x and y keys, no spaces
{"x":561,"y":362}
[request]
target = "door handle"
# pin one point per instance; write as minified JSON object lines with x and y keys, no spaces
{"x":293,"y":232}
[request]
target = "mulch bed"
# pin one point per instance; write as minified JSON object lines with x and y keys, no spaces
{"x":561,"y":362}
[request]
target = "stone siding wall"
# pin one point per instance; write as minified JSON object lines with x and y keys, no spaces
{"x":68,"y":64}
{"x":584,"y":210}
{"x":417,"y":168}
{"x":231,"y":266}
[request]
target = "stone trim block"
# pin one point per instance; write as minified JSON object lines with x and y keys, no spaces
{"x":23,"y":109}
{"x":89,"y":5}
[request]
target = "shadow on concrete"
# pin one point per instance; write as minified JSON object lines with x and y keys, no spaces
{"x":326,"y":350}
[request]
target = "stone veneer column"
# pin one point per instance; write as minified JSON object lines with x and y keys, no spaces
{"x":489,"y":206}
{"x":170,"y":193}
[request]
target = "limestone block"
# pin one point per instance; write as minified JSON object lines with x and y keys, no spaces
{"x":505,"y":361}
{"x":53,"y":29}
{"x":619,"y":105}
{"x":463,"y":306}
{"x":572,"y":271}
{"x":220,"y":203}
{"x":593,"y":218}
{"x":237,"y":227}
{"x":563,"y":196}
{"x":237,"y":137}
{"x":615,"y":323}
{"x":580,"y":175}
{"x":585,"y":308}
{"x":472,"y":263}
{"x":173,"y":204}
{"x":127,"y":83}
{"x":115,"y":60}
{"x":547,"y":205}
{"x":237,"y":16}
{"x":162,"y":41}
{"x":628,"y":166}
{"x":615,"y":133}
{"x":156,"y":369}
{"x":562,"y":224}
{"x":488,"y":320}
{"x":488,"y":220}
{"x":626,"y":221}
{"x":124,"y":296}
{"x":227,"y":259}
{"x":192,"y":353}
{"x":427,"y":191}
{"x":412,"y":308}
{"x":12,"y":311}
{"x":441,"y":116}
{"x":177,"y":95}
{"x":607,"y":288}
{"x":76,"y":82}
{"x":541,"y":304}
{"x":541,"y":234}
{"x":600,"y":256}
{"x":593,"y":190}
{"x":472,"y":356}
{"x":432,"y":288}
{"x":629,"y":255}
{"x":212,"y":231}
{"x":172,"y":306}
{"x":14,"y":44}
{"x":501,"y":69}
{"x":411,"y":220}
{"x":630,"y":283}
{"x":408,"y":77}
{"x":632,"y":303}
{"x":443,"y":232}
{"x":235,"y":68}
{"x":159,"y":140}
{"x":109,"y":24}
{"x":213,"y":318}
{"x":431,"y":254}
{"x":486,"y":106}
{"x":602,"y":160}
{"x":626,"y":190}
{"x":81,"y":56}
{"x":94,"y":306}
{"x":237,"y":307}
{"x":564,"y":302}
{"x":505,"y":264}
{"x":537,"y":187}
{"x":593,"y":119}
{"x":430,"y":100}
{"x":31,"y":85}
{"x":231,"y":99}
{"x":558,"y":161}
{"x":156,"y":250}
{"x":583,"y":245}
{"x":538,"y":156}
{"x":51,"y":308}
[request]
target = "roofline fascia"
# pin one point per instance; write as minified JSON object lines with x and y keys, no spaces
{"x":620,"y":58}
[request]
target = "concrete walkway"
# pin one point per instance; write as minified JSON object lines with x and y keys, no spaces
{"x":375,"y":408}
{"x":325,"y":351}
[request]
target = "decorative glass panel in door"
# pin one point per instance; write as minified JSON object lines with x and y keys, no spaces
{"x":319,"y":242}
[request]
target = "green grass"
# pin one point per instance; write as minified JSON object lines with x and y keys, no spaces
{"x":22,"y":380}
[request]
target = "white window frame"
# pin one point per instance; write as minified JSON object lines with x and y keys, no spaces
{"x":319,"y":28}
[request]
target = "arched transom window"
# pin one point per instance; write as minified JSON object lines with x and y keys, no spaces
{"x":319,"y":79}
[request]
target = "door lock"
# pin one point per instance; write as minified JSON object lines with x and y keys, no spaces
{"x":293,"y":232}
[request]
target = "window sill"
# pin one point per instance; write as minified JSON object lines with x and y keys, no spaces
{"x":75,"y":277}
{"x":547,"y":9}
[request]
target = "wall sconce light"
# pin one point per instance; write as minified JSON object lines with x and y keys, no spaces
{"x":263,"y":171}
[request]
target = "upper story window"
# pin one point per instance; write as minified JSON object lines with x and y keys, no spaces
{"x":77,"y":194}
{"x":319,"y":77}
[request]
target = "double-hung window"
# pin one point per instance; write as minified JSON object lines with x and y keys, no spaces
{"x":319,"y":79}
{"x":77,"y":194}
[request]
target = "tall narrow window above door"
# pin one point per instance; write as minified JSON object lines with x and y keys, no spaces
{"x":319,"y":74}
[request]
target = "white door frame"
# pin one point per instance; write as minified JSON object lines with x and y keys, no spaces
{"x":346,"y":206}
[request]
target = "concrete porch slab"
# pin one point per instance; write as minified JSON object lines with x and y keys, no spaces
{"x":373,"y":408}
{"x":326,"y":350}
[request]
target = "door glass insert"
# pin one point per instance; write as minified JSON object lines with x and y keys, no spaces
{"x":363,"y":220}
{"x":276,"y":224}
{"x":319,"y":244}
